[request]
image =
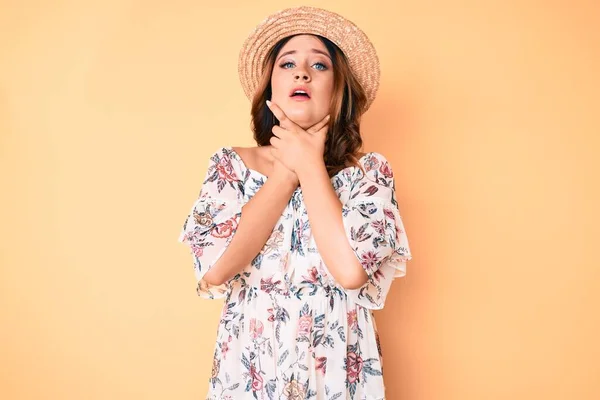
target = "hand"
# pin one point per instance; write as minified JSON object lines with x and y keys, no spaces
{"x":294,"y":146}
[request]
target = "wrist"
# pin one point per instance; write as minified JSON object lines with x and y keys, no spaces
{"x":310,"y":169}
{"x":284,"y":176}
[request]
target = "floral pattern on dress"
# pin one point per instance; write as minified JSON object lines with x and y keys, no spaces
{"x":288,"y":330}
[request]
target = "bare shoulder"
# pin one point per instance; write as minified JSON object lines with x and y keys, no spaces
{"x":251,"y":154}
{"x":244,"y":152}
{"x":256,"y":158}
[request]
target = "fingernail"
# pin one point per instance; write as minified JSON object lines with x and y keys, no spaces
{"x":328,"y":117}
{"x":268,"y":103}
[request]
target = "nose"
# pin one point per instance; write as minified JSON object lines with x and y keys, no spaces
{"x":302,"y":75}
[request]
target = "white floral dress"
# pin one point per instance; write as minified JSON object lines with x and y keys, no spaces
{"x":288,"y":330}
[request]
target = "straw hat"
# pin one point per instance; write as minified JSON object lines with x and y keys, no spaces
{"x":346,"y":35}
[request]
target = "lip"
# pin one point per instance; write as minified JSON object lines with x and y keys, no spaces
{"x":300,"y":98}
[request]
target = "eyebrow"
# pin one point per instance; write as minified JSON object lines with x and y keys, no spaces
{"x":312,"y":50}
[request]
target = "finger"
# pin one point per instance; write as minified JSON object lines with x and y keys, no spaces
{"x":284,"y":121}
{"x":280,"y":132}
{"x":275,"y":142}
{"x":322,"y":133}
{"x":319,"y":125}
{"x":325,"y":119}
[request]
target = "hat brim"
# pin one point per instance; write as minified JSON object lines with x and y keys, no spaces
{"x":353,"y":42}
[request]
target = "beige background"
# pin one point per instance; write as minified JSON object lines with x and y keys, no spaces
{"x":488,"y":112}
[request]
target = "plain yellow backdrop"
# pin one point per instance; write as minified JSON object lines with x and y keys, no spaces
{"x":488,"y":112}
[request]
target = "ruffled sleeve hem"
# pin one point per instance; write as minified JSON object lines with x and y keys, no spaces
{"x":401,"y":254}
{"x":208,"y":230}
{"x":377,"y":236}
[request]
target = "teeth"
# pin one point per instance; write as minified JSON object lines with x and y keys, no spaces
{"x":300,"y":91}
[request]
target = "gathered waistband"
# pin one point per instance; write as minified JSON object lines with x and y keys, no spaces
{"x":280,"y":289}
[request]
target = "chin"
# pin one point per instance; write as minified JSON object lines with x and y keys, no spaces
{"x":301,"y":119}
{"x":302,"y":123}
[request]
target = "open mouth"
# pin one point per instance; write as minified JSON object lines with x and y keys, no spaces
{"x":300,"y":93}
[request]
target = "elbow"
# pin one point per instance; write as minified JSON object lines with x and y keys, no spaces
{"x":214,"y":278}
{"x":354,"y":281}
{"x":220,"y":272}
{"x":353,"y":284}
{"x":350,"y":273}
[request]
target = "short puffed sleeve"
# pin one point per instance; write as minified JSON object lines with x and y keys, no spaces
{"x":375,"y":230}
{"x":213,"y":220}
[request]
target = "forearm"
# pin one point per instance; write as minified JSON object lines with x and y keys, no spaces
{"x":325,"y":217}
{"x":256,"y":224}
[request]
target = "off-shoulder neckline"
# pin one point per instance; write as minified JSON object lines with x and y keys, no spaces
{"x":241,"y":161}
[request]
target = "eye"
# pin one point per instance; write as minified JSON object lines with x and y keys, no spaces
{"x":318,"y":65}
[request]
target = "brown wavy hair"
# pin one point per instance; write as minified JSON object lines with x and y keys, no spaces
{"x":343,"y":135}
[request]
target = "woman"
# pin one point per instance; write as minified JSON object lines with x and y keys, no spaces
{"x":301,"y":235}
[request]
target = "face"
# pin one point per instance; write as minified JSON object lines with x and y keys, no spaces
{"x":303,"y":64}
